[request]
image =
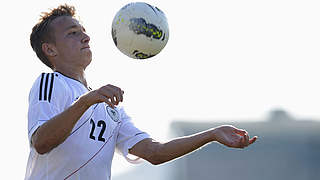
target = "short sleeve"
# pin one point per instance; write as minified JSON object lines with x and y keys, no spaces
{"x":128,"y":136}
{"x":47,"y":98}
{"x":38,"y":114}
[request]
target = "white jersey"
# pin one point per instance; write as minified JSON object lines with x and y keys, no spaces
{"x":88,"y":151}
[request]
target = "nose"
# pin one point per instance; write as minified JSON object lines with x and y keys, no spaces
{"x":85,"y":38}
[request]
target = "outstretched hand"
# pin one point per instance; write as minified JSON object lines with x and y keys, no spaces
{"x":233,"y":137}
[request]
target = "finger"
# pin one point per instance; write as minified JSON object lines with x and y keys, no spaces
{"x":121,"y":96}
{"x":241,"y":132}
{"x":114,"y":100}
{"x":107,"y":100}
{"x":246,"y":140}
{"x":110,"y":93}
{"x":117,"y":99}
{"x":243,"y":141}
{"x":117,"y":92}
{"x":114,"y":95}
{"x":252,"y":140}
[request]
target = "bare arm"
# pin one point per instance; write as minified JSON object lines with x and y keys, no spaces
{"x":56,"y":130}
{"x":157,"y":153}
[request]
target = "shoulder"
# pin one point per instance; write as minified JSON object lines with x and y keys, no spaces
{"x":47,"y":87}
{"x":123,"y":114}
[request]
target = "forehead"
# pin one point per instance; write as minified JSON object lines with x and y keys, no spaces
{"x":63,"y":23}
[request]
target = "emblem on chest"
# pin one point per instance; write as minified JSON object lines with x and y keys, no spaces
{"x":113,"y":114}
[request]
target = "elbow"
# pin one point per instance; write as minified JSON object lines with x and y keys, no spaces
{"x":155,"y":158}
{"x":155,"y":161}
{"x":41,"y":152}
{"x":41,"y":145}
{"x":41,"y":148}
{"x":150,"y":151}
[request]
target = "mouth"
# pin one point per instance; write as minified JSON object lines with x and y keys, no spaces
{"x":86,"y":47}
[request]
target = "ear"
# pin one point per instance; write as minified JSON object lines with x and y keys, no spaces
{"x":49,"y":50}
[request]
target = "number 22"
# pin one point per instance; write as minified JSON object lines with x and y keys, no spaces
{"x":101,"y":124}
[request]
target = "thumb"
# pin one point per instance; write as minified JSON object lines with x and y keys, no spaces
{"x":252,"y":140}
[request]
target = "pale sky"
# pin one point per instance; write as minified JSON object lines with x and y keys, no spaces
{"x":225,"y":61}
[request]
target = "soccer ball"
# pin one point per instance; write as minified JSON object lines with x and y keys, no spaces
{"x":140,"y":30}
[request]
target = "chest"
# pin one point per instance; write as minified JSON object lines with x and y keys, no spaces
{"x":96,"y":131}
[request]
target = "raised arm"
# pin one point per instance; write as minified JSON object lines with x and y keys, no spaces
{"x":157,"y":153}
{"x":56,"y":130}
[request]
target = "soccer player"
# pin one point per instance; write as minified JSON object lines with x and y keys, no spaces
{"x":74,"y":130}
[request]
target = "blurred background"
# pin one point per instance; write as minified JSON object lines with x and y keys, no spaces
{"x":251,"y":63}
{"x":287,"y":148}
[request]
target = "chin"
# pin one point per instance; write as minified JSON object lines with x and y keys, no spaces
{"x":88,"y":58}
{"x":88,"y":61}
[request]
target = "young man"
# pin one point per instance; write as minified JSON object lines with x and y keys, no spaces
{"x":73,"y":130}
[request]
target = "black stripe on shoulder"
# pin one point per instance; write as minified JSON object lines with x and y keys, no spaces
{"x":46,"y":86}
{"x":51,"y":87}
{"x":40,"y":90}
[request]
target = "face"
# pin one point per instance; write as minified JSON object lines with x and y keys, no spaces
{"x":72,"y":43}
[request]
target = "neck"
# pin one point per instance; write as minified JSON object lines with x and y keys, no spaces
{"x":77,"y":75}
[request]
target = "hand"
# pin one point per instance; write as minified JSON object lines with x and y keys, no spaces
{"x":112,"y":95}
{"x":233,"y":137}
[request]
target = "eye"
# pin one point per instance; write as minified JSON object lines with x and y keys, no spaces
{"x":72,"y":33}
